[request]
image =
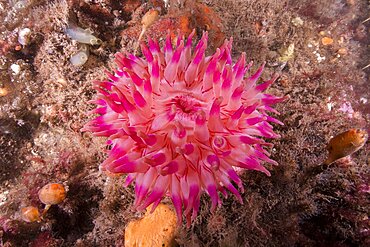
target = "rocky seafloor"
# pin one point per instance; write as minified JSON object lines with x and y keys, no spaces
{"x":319,"y":48}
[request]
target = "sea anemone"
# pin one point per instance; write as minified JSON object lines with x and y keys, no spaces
{"x":180,"y":123}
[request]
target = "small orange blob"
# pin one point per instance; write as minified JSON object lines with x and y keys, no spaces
{"x":327,"y":41}
{"x":345,"y":144}
{"x":149,"y":18}
{"x":3,"y":92}
{"x":18,"y":47}
{"x":112,"y":175}
{"x":258,"y":26}
{"x":184,"y":23}
{"x":342,"y":51}
{"x":52,"y":194}
{"x":30,"y":214}
{"x":154,"y":229}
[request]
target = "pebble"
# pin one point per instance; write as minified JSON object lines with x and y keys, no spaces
{"x":327,"y":41}
{"x":342,"y":51}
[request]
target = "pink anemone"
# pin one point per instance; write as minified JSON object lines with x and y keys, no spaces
{"x":180,"y":123}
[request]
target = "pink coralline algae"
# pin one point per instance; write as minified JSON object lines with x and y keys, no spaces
{"x":180,"y":123}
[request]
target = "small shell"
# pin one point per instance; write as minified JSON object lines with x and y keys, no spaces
{"x":52,"y":194}
{"x":24,"y":36}
{"x":30,"y":214}
{"x":15,"y":68}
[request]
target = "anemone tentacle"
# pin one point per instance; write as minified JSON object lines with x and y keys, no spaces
{"x":180,"y":123}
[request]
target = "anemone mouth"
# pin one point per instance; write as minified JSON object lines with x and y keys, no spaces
{"x":186,"y":104}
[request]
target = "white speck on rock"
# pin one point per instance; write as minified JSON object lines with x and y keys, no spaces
{"x":3,"y":197}
{"x":346,"y":107}
{"x":297,"y":21}
{"x":319,"y":57}
{"x":15,"y":68}
{"x":330,"y":105}
{"x":363,"y":100}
